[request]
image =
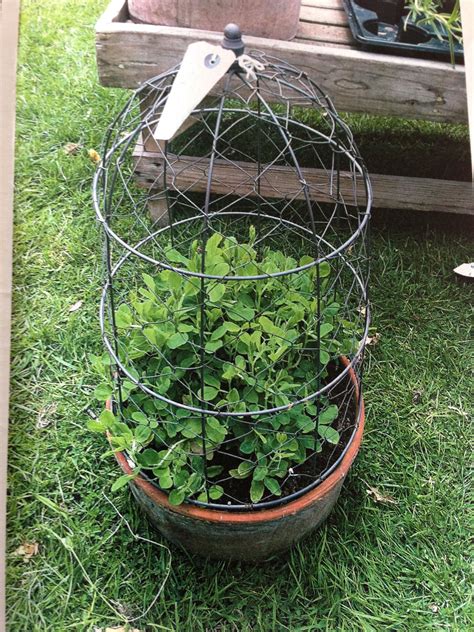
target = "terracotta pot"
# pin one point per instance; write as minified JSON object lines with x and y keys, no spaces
{"x":276,"y":19}
{"x":248,"y":535}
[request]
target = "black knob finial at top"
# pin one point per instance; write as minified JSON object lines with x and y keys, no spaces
{"x":233,"y":39}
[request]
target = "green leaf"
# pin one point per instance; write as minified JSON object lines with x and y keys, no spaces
{"x":232,"y":328}
{"x":107,"y":418}
{"x":215,"y":492}
{"x":103,"y":423}
{"x":150,"y":282}
{"x":219,"y":332}
{"x":154,"y":336}
{"x":311,"y":409}
{"x":103,"y":392}
{"x":273,"y":486}
{"x":329,"y":433}
{"x":215,"y":431}
{"x":172,"y":279}
{"x":305,"y":260}
{"x":211,"y":380}
{"x":233,"y":396}
{"x":120,"y":429}
{"x":325,"y":329}
{"x":329,"y":415}
{"x":149,"y":458}
{"x":123,"y":317}
{"x":252,"y":235}
{"x":101,"y":364}
{"x":241,"y":312}
{"x":260,"y":472}
{"x":248,"y":445}
{"x":176,"y":497}
{"x":243,"y":471}
{"x":230,"y":372}
{"x":245,"y":467}
{"x":212,"y":244}
{"x":192,"y":429}
{"x":324,"y":357}
{"x":332,"y":309}
{"x":324,"y":269}
{"x":213,"y":345}
{"x":214,"y":470}
{"x":163,"y":385}
{"x":140,"y":417}
{"x":256,"y":491}
{"x":216,"y":292}
{"x":142,"y":434}
{"x":240,"y":362}
{"x":177,"y":340}
{"x":95,"y":426}
{"x":270,"y":328}
{"x":305,"y":423}
{"x":209,"y":393}
{"x":122,"y":481}
{"x":184,"y":328}
{"x":191,"y":287}
{"x":165,"y":481}
{"x":176,"y":257}
{"x":220,"y":269}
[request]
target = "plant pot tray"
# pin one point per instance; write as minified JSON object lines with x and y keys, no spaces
{"x":410,"y":38}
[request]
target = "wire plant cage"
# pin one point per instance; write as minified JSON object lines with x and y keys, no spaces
{"x":235,"y":308}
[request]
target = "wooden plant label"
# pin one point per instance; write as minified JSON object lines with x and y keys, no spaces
{"x":202,"y":67}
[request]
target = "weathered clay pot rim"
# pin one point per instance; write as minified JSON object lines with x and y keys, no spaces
{"x":256,"y":515}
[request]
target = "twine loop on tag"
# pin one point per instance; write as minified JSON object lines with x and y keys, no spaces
{"x":250,"y":65}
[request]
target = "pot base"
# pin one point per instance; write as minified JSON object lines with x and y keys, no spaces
{"x":244,"y":541}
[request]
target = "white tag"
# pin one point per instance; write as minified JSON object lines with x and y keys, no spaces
{"x":202,"y":67}
{"x":465,"y":270}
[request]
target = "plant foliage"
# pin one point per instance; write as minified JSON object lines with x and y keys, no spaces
{"x":443,"y":17}
{"x":233,"y":346}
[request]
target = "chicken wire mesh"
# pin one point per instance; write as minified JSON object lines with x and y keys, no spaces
{"x":235,"y":309}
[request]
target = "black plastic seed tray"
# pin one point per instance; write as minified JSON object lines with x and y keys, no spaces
{"x":383,"y":24}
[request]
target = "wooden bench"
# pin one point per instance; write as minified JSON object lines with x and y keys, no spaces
{"x":356,"y":80}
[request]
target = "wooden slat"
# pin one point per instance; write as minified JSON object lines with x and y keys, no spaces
{"x":9,"y":20}
{"x":324,"y":4}
{"x":116,"y":11}
{"x":395,"y":192}
{"x":304,"y":40}
{"x":324,"y":33}
{"x":357,"y":81}
{"x":467,"y":14}
{"x":323,"y":16}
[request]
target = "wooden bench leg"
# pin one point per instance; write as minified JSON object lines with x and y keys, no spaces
{"x":158,"y":207}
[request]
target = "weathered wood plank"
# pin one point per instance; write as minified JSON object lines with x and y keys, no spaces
{"x":467,"y":15}
{"x":395,"y":192}
{"x":336,"y":17}
{"x":358,"y":81}
{"x":304,"y":40}
{"x":116,"y":11}
{"x":323,"y":4}
{"x":325,"y":33}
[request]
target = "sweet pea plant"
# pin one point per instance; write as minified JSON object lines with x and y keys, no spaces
{"x":253,"y":344}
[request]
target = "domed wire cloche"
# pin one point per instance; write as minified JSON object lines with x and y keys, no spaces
{"x":235,"y":309}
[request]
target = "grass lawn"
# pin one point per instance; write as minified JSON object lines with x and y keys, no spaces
{"x":372,"y":566}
